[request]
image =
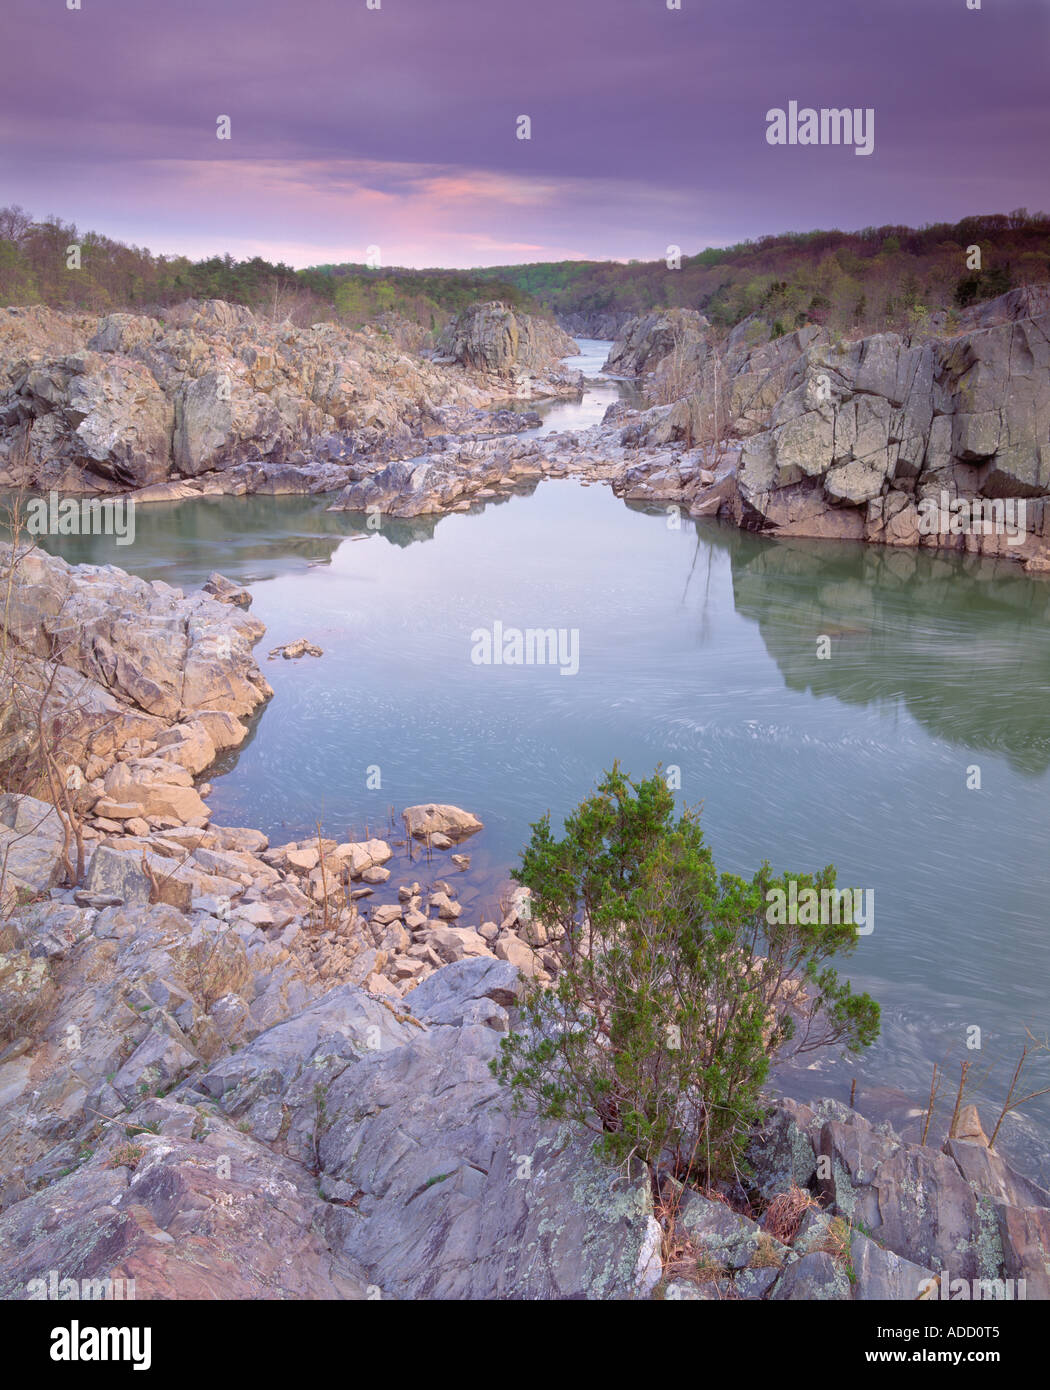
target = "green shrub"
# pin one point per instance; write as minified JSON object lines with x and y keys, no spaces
{"x":674,"y":994}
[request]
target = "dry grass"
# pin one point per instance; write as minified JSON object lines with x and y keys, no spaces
{"x":837,"y":1239}
{"x":785,"y":1212}
{"x":767,"y":1256}
{"x":126,"y":1156}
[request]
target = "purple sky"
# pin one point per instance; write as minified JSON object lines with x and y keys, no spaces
{"x":396,"y":127}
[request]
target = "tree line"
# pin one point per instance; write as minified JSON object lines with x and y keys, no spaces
{"x":877,"y":278}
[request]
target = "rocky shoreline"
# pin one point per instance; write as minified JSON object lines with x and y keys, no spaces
{"x":241,"y":1070}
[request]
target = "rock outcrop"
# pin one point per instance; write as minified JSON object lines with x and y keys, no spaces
{"x":445,"y":481}
{"x":146,"y":685}
{"x":865,"y":433}
{"x":210,"y":1120}
{"x":602,"y":324}
{"x":497,"y":339}
{"x":944,"y":443}
{"x":211,"y":387}
{"x":645,"y":342}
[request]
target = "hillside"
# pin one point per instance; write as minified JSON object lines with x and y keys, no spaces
{"x":853,"y":282}
{"x":35,"y":269}
{"x":849,"y":282}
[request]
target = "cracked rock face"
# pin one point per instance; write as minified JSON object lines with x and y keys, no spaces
{"x":147,"y":684}
{"x":861,"y":440}
{"x":351,"y":1150}
{"x":865,"y":433}
{"x":495,"y":338}
{"x":646,"y":341}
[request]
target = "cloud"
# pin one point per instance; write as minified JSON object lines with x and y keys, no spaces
{"x":397,"y":126}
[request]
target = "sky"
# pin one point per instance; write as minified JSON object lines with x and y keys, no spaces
{"x":397,"y":127}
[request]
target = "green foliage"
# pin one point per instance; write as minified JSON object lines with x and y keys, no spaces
{"x":848,"y":274}
{"x":794,"y":278}
{"x":971,"y":289}
{"x":674,"y":994}
{"x":33,"y":269}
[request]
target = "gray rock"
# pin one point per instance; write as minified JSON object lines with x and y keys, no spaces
{"x":495,"y":338}
{"x":644,"y":342}
{"x":929,"y":1214}
{"x":1025,"y":1237}
{"x":30,"y":847}
{"x":462,"y":983}
{"x":468,"y":1200}
{"x":755,"y":1283}
{"x":782,"y":1152}
{"x":815,"y":1277}
{"x":880,"y":1274}
{"x":215,"y":1216}
{"x":117,"y":875}
{"x":730,"y":1239}
{"x":991,"y":1176}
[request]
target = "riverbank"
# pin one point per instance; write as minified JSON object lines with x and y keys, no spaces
{"x":937,"y":444}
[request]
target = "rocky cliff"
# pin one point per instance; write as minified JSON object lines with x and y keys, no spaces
{"x":603,"y":324}
{"x":645,"y":342}
{"x":943,"y":442}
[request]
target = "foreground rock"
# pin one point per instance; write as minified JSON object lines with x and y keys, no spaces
{"x":146,"y":684}
{"x":348,"y":1151}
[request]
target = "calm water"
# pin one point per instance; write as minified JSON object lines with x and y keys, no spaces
{"x":697,"y":648}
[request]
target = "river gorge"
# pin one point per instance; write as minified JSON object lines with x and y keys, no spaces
{"x":699,"y":649}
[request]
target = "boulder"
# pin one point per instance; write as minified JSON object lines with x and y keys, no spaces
{"x":880,"y":1274}
{"x":421,"y":821}
{"x":118,"y":878}
{"x":31,"y":847}
{"x":815,"y":1278}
